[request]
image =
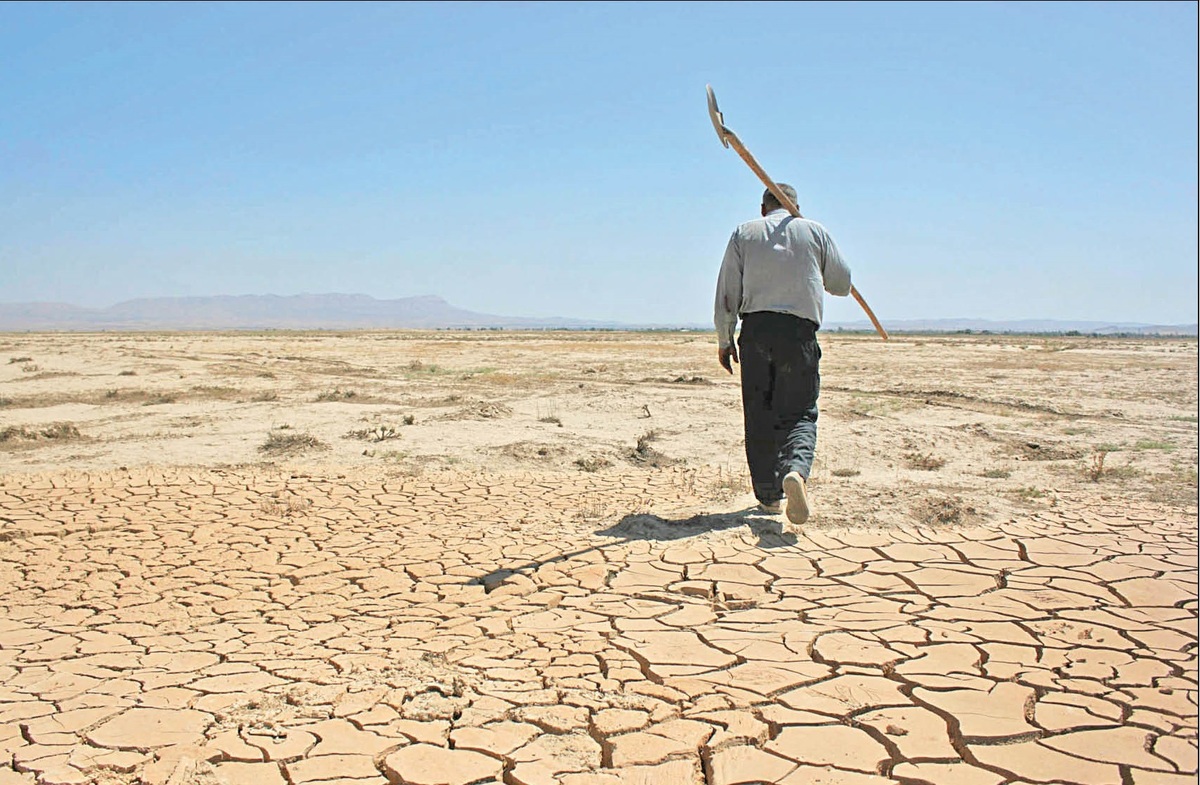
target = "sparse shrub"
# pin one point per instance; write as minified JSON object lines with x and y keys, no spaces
{"x":215,"y":391}
{"x":1096,"y":469}
{"x":483,"y":410}
{"x":282,"y":443}
{"x":379,"y":434}
{"x":127,"y":373}
{"x":731,"y":483}
{"x":265,"y":397}
{"x":14,"y":433}
{"x":289,"y":505}
{"x":160,"y":398}
{"x":390,"y":456}
{"x":643,"y":441}
{"x":997,"y":474}
{"x":593,"y":463}
{"x":644,"y":455}
{"x":845,"y":472}
{"x":924,"y":461}
{"x":409,"y":419}
{"x":30,"y":368}
{"x":550,"y":416}
{"x":532,"y":451}
{"x":1150,"y":444}
{"x":15,"y":360}
{"x":943,"y":512}
{"x":336,"y":395}
{"x":591,"y":509}
{"x":60,"y":431}
{"x":416,"y":366}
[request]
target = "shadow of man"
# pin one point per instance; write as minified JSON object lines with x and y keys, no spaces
{"x":646,"y":526}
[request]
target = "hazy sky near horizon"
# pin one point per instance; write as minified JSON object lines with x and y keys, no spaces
{"x":986,"y":160}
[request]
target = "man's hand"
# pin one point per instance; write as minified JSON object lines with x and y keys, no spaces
{"x":724,"y":356}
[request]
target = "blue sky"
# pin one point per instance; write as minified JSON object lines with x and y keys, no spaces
{"x":987,"y":160}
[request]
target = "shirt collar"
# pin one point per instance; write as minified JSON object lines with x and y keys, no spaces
{"x":779,"y":210}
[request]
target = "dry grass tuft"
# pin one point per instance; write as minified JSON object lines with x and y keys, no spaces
{"x":1098,"y":469}
{"x":284,"y":505}
{"x":644,"y":455}
{"x":943,"y":512}
{"x":336,"y":395}
{"x":286,"y":443}
{"x":380,"y":433}
{"x":532,"y":451}
{"x":59,"y":431}
{"x":593,"y":463}
{"x":924,"y":461}
{"x":215,"y":391}
{"x":482,"y":410}
{"x":728,"y":483}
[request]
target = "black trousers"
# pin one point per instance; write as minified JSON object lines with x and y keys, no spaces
{"x":781,"y":380}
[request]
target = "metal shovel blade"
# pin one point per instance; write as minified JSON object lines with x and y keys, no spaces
{"x":714,"y":114}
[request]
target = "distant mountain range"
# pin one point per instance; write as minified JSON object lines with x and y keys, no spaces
{"x":266,"y":312}
{"x":360,"y":311}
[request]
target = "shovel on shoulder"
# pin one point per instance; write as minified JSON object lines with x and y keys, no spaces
{"x":730,"y":139}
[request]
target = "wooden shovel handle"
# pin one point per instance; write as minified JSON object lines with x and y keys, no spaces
{"x":791,"y":207}
{"x":870,"y":314}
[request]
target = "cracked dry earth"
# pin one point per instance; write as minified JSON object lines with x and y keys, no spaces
{"x":468,"y":573}
{"x":254,"y":629}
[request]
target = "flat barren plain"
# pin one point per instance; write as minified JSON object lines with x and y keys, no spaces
{"x":533,"y":559}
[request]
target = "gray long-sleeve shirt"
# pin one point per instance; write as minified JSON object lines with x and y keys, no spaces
{"x":778,"y":263}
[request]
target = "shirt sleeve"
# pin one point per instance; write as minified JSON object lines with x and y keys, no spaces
{"x":834,"y":269}
{"x":729,"y":293}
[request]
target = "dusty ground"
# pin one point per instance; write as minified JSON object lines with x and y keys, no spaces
{"x":532,"y":558}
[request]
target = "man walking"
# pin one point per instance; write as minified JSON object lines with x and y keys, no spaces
{"x":775,"y":272}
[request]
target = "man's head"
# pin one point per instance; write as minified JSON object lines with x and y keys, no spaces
{"x":770,"y":203}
